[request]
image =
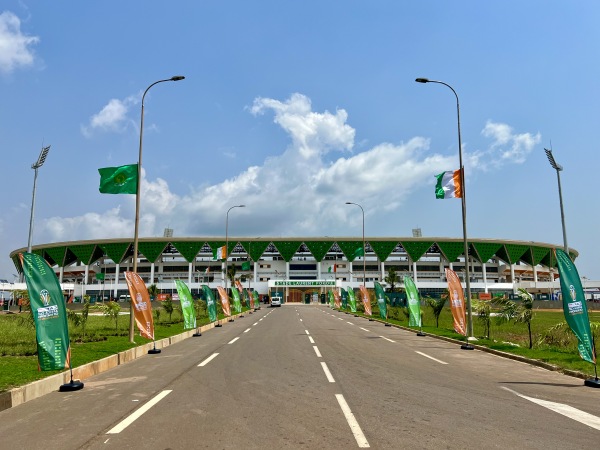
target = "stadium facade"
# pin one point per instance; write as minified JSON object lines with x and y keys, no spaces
{"x":293,"y":267}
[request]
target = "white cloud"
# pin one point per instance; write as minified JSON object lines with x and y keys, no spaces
{"x":313,"y":134}
{"x":507,"y":146}
{"x":112,"y":118}
{"x":298,"y":191}
{"x":15,"y":47}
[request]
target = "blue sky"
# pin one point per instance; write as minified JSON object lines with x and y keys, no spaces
{"x":294,"y":108}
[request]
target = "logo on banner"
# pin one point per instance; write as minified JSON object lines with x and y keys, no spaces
{"x":45,"y":297}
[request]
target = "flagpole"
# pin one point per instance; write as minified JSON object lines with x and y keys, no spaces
{"x":137,"y":199}
{"x":466,"y":346}
{"x":227,"y":245}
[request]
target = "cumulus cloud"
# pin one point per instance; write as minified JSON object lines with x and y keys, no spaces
{"x":313,"y":133}
{"x":302,"y":190}
{"x":15,"y":47}
{"x":112,"y":118}
{"x":507,"y":146}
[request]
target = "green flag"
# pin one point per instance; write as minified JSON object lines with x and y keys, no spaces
{"x":187,"y":305}
{"x":344,"y":299}
{"x":49,"y":313}
{"x":352,"y":300}
{"x":211,"y":305}
{"x":119,"y":180}
{"x":237,"y":304}
{"x":574,"y":306}
{"x":256,"y":300}
{"x":414,"y":303}
{"x":359,"y":252}
{"x":99,"y":276}
{"x":380,"y":294}
{"x":246,"y":265}
{"x":331,"y":299}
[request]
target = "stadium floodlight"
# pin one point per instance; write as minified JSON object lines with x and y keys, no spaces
{"x":558,"y":169}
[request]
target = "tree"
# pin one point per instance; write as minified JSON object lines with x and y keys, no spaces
{"x":231,"y":271}
{"x":111,"y":309}
{"x":80,"y":319}
{"x":518,"y":312}
{"x":168,"y":306}
{"x":437,"y":306}
{"x":483,"y":309}
{"x":392,"y":278}
{"x":153,"y":291}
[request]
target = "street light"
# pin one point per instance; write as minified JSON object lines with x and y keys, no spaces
{"x":35,"y":166}
{"x":558,"y":169}
{"x":227,"y":240}
{"x":137,"y":198}
{"x":363,"y":241}
{"x":464,"y":214}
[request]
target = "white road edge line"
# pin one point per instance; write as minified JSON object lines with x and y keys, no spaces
{"x":312,"y":341}
{"x":137,"y":414}
{"x":361,"y":440}
{"x":572,"y":413}
{"x":431,"y":357}
{"x":317,"y":351}
{"x":233,"y":340}
{"x":383,"y":337}
{"x":207,"y":360}
{"x":327,"y":373}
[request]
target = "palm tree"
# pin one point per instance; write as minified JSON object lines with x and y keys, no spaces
{"x":518,"y":312}
{"x":231,"y":271}
{"x":392,"y":278}
{"x":483,"y":309}
{"x":153,"y":291}
{"x":437,"y":306}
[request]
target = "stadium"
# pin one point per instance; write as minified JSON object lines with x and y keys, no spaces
{"x":295,"y":268}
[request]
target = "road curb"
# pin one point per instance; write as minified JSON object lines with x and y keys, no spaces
{"x":36,"y":389}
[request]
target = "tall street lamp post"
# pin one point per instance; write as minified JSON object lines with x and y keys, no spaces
{"x":558,"y":169}
{"x":464,"y":215}
{"x":363,"y":242}
{"x":35,"y":166}
{"x":137,"y":199}
{"x":227,"y":240}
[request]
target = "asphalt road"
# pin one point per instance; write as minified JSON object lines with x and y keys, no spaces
{"x":302,"y":376}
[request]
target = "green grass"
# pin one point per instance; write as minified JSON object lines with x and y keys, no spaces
{"x":18,"y":353}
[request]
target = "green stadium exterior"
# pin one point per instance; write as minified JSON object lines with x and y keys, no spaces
{"x":293,"y":267}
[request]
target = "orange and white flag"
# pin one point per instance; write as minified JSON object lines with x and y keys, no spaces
{"x":140,"y":301}
{"x":224,"y":301}
{"x":457,"y":302}
{"x":366,"y":300}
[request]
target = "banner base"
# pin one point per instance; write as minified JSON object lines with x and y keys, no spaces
{"x":592,"y":382}
{"x":231,"y":320}
{"x":420,"y":333}
{"x":467,"y":347}
{"x":154,"y":351}
{"x":196,"y":334}
{"x":218,"y":325}
{"x":387,"y":325}
{"x":71,"y":386}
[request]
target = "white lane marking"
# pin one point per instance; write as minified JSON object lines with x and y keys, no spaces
{"x":137,"y":414}
{"x":207,"y":360}
{"x":327,"y":373}
{"x":317,"y":351}
{"x":245,"y":331}
{"x":233,"y":340}
{"x":566,"y":410}
{"x":312,"y":341}
{"x":361,"y":440}
{"x":254,"y":324}
{"x":306,"y":331}
{"x":383,"y":337}
{"x":430,"y":357}
{"x":350,"y":323}
{"x":364,"y":329}
{"x":300,"y":320}
{"x":340,"y":318}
